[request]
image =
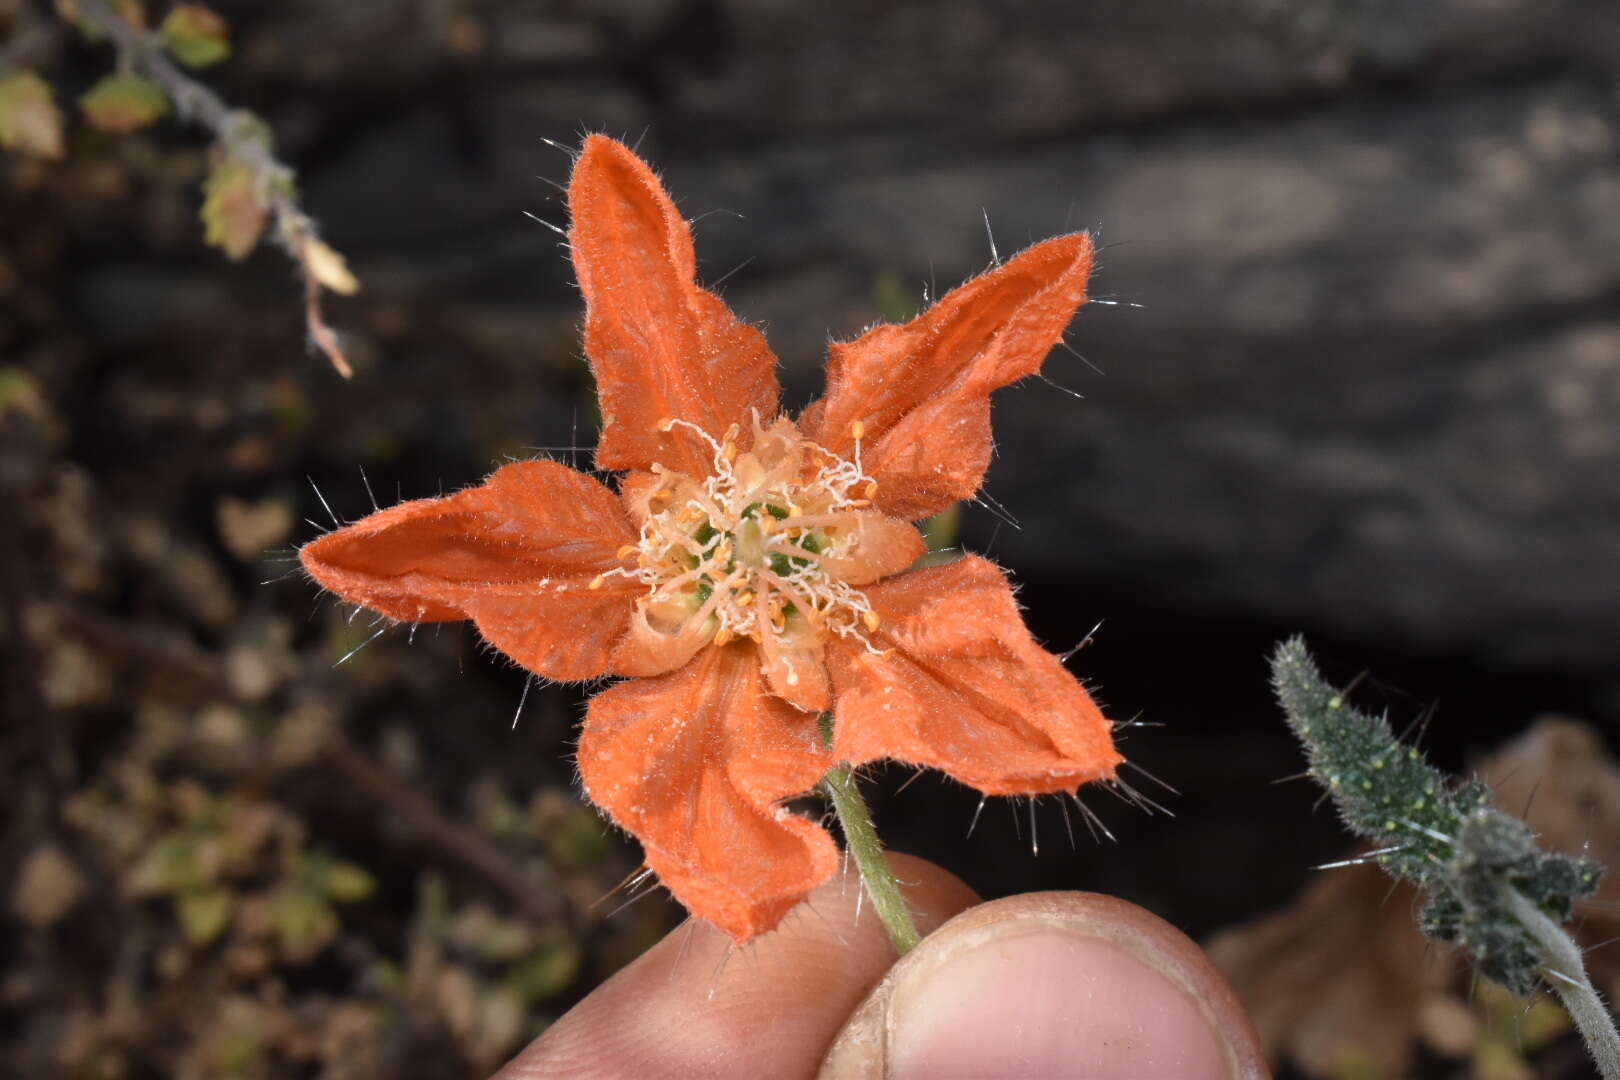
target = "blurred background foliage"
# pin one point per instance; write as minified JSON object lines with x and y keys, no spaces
{"x":1362,"y":348}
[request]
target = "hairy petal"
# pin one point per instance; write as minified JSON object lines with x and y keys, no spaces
{"x":516,"y":555}
{"x":961,"y":686}
{"x":695,"y":764}
{"x":922,"y":391}
{"x":661,"y":346}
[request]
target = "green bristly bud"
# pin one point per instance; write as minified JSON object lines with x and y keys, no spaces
{"x":1446,"y":837}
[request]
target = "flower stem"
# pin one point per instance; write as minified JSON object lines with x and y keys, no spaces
{"x":1565,"y":972}
{"x":861,"y":838}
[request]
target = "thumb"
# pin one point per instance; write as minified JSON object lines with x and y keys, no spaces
{"x":1050,"y":985}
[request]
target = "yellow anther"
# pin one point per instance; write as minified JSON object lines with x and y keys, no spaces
{"x":857,"y":430}
{"x":626,"y":551}
{"x":666,"y":423}
{"x":860,"y":503}
{"x":870,"y":618}
{"x":728,"y":451}
{"x":722,"y":635}
{"x":598,"y":581}
{"x":663,"y":493}
{"x":870,"y":489}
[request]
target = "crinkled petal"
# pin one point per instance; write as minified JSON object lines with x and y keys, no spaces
{"x":959,"y":685}
{"x":696,"y":764}
{"x":661,"y":346}
{"x":922,"y":390}
{"x":516,"y":555}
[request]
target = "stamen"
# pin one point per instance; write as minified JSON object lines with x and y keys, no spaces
{"x":746,"y":550}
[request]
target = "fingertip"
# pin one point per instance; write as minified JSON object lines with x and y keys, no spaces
{"x":1047,"y":985}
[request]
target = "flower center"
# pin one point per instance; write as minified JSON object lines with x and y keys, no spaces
{"x":762,"y":547}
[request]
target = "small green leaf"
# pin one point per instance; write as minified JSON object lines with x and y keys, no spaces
{"x":547,"y":973}
{"x":123,"y":103}
{"x":195,"y":35}
{"x":204,"y":913}
{"x":169,"y":866}
{"x":304,"y":921}
{"x":20,"y":393}
{"x":347,"y":883}
{"x":232,"y":214}
{"x":30,"y":122}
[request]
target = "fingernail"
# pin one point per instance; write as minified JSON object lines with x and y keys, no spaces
{"x":1047,"y":1003}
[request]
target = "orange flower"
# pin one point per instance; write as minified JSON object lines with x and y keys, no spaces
{"x":751,"y":573}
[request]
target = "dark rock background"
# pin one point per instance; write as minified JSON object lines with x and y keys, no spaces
{"x":1362,"y":350}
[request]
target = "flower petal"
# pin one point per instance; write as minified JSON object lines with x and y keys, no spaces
{"x":962,"y":687}
{"x":515,"y":554}
{"x":695,"y":764}
{"x":922,"y":390}
{"x":661,"y":346}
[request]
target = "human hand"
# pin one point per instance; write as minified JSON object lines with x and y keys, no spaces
{"x":1044,"y":985}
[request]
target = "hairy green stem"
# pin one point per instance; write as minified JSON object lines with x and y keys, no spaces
{"x":861,"y":838}
{"x":1565,"y":972}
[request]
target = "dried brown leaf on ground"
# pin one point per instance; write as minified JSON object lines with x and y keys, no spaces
{"x":1567,"y":785}
{"x":1342,"y":982}
{"x":48,"y":886}
{"x":1339,"y":979}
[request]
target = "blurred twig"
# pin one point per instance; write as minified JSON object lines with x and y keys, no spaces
{"x":247,"y":139}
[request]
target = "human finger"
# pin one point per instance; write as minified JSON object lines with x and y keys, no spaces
{"x":1050,"y":985}
{"x":695,"y":1005}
